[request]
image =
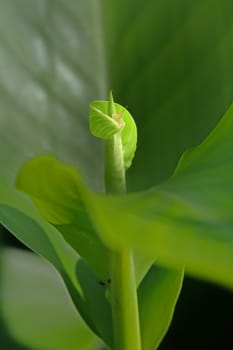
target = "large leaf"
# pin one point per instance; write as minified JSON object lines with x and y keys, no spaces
{"x":188,"y":219}
{"x":57,"y":191}
{"x":51,"y":68}
{"x":59,"y":194}
{"x":170,"y":62}
{"x":36,"y":308}
{"x":19,"y":216}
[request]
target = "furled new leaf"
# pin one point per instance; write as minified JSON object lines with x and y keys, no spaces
{"x":186,"y":220}
{"x":104,"y":126}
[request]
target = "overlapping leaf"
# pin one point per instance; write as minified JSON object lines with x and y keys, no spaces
{"x":60,"y":197}
{"x":52,"y":66}
{"x":55,"y":189}
{"x":188,"y":219}
{"x":19,"y":216}
{"x":171,"y":64}
{"x":36,"y":308}
{"x":157,"y":296}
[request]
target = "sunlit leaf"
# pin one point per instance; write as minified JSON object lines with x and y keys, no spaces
{"x":55,"y":190}
{"x":188,"y":219}
{"x":104,"y":126}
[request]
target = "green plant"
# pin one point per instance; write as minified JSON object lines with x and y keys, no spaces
{"x":184,"y":220}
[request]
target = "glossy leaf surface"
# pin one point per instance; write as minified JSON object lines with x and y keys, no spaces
{"x":36,"y":306}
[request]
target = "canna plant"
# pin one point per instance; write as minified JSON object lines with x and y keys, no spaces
{"x":120,"y":241}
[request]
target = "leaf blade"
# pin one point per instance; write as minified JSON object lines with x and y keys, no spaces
{"x":55,"y":190}
{"x":157,"y":297}
{"x":188,"y":219}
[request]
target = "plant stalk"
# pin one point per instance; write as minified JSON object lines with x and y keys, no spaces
{"x":126,"y":328}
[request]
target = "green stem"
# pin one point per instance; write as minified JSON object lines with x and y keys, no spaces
{"x":124,"y":303}
{"x":114,"y":166}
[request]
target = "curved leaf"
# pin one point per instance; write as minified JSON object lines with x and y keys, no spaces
{"x":105,"y":126}
{"x":188,"y":219}
{"x":20,"y":217}
{"x":157,"y":297}
{"x":63,"y":182}
{"x":41,"y":316}
{"x":101,"y":124}
{"x":170,"y":62}
{"x":54,"y":188}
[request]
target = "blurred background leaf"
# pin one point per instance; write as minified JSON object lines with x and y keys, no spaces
{"x":36,"y":307}
{"x":169,"y":62}
{"x":51,"y":67}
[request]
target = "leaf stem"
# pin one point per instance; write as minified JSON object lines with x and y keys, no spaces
{"x":126,"y":329}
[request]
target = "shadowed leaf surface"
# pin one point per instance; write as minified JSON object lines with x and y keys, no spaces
{"x":36,"y":306}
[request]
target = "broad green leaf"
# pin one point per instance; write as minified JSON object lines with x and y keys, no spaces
{"x":54,"y":188}
{"x":59,"y":194}
{"x":36,"y":306}
{"x":170,"y":63}
{"x":19,"y":216}
{"x":105,"y":126}
{"x":188,"y":219}
{"x":52,"y":66}
{"x":157,"y":297}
